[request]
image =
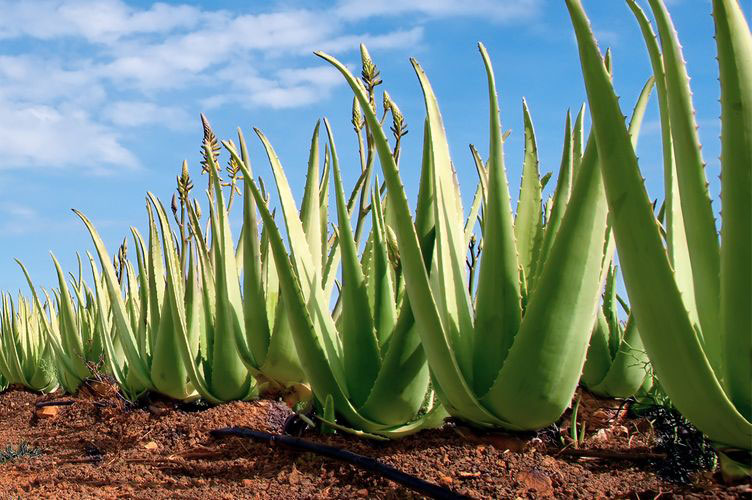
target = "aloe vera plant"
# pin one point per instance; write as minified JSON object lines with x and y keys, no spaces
{"x":178,"y":346}
{"x":691,"y":298}
{"x":72,"y":328}
{"x":26,"y":357}
{"x":368,"y":365}
{"x":496,"y":365}
{"x":617,"y":364}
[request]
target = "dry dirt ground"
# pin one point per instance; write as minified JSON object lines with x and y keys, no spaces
{"x":100,"y":447}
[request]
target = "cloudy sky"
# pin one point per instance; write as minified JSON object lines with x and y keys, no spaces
{"x":100,"y":99}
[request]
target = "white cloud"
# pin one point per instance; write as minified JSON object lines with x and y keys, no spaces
{"x":96,"y":67}
{"x":495,"y":10}
{"x":98,"y":21}
{"x":139,"y":113}
{"x":44,"y":136}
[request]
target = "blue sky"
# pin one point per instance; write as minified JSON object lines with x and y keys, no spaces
{"x":100,"y":100}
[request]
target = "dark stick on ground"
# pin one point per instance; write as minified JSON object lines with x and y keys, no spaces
{"x":423,"y":487}
{"x":43,"y":404}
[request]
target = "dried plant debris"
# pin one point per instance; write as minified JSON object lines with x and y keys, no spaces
{"x":687,"y":450}
{"x":23,"y":450}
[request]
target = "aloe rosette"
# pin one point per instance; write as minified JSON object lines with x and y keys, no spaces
{"x":497,"y":365}
{"x":26,"y":357}
{"x":71,"y":328}
{"x":617,"y":365}
{"x":690,"y":298}
{"x":367,"y":365}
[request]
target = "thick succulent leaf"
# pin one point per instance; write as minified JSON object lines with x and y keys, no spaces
{"x":665,"y":328}
{"x":400,"y":389}
{"x":282,"y":364}
{"x":169,"y":373}
{"x":472,"y":217}
{"x":498,"y":312}
{"x":701,"y":233}
{"x":629,"y":368}
{"x":598,"y":359}
{"x":156,"y":282}
{"x":529,"y":216}
{"x":360,"y":346}
{"x":172,"y":361}
{"x":424,"y":216}
{"x":454,"y":300}
{"x":380,"y":283}
{"x":325,"y":382}
{"x":561,"y":197}
{"x":324,"y":207}
{"x":675,"y":236}
{"x":578,"y":139}
{"x":482,"y":172}
{"x":735,"y":61}
{"x":310,"y":210}
{"x":111,"y":358}
{"x":70,"y":332}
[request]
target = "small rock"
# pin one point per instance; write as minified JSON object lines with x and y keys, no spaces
{"x":159,"y":408}
{"x":536,"y":480}
{"x":48,"y":411}
{"x":600,"y":436}
{"x":446,"y":480}
{"x":151,"y":445}
{"x":362,"y":493}
{"x":465,"y":475}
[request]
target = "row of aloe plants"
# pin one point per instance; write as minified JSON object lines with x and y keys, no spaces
{"x":416,"y":333}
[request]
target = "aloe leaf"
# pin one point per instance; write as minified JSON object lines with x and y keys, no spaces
{"x":528,"y":219}
{"x":578,"y":139}
{"x":676,"y":239}
{"x":454,"y":301}
{"x":324,"y":207}
{"x":425,"y":225}
{"x":256,"y":322}
{"x":69,"y":330}
{"x":561,"y":196}
{"x":359,"y":343}
{"x":665,"y":328}
{"x":400,"y":388}
{"x":735,"y":60}
{"x":498,"y":311}
{"x":156,"y":283}
{"x":111,"y":358}
{"x":695,"y":200}
{"x":472,"y":217}
{"x":598,"y":356}
{"x":310,"y":213}
{"x":629,"y":367}
{"x":380,"y":283}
